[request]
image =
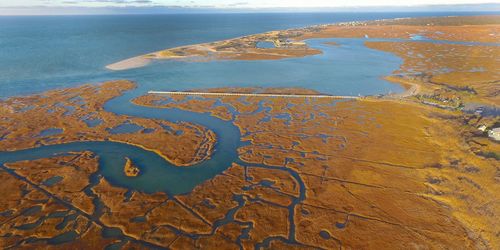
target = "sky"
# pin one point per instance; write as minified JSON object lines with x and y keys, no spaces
{"x":57,"y":7}
{"x":230,"y":3}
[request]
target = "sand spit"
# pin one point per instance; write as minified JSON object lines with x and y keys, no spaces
{"x":290,"y":43}
{"x":131,"y":63}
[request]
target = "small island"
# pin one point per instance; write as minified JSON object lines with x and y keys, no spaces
{"x":130,"y":169}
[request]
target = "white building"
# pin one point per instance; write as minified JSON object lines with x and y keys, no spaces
{"x":494,"y":134}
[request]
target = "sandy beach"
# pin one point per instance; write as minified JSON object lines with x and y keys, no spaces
{"x":131,"y":63}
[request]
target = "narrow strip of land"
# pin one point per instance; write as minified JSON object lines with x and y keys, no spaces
{"x":252,"y":94}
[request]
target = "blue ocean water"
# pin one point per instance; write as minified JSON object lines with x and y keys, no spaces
{"x":45,"y":52}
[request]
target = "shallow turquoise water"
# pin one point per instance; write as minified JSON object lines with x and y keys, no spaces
{"x":37,"y":58}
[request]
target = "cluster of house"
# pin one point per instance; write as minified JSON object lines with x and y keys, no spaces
{"x":353,"y":23}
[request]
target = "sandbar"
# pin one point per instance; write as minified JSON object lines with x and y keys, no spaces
{"x":131,"y":63}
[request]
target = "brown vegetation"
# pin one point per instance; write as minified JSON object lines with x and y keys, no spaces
{"x":23,"y":120}
{"x":364,"y":166}
{"x":315,"y":173}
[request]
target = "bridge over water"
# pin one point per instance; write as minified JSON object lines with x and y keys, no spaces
{"x":252,"y":95}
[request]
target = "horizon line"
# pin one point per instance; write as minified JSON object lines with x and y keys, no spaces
{"x":44,"y":10}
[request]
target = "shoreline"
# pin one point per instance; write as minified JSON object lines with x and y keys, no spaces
{"x":289,"y":40}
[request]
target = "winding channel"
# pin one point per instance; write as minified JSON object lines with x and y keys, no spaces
{"x":157,"y":175}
